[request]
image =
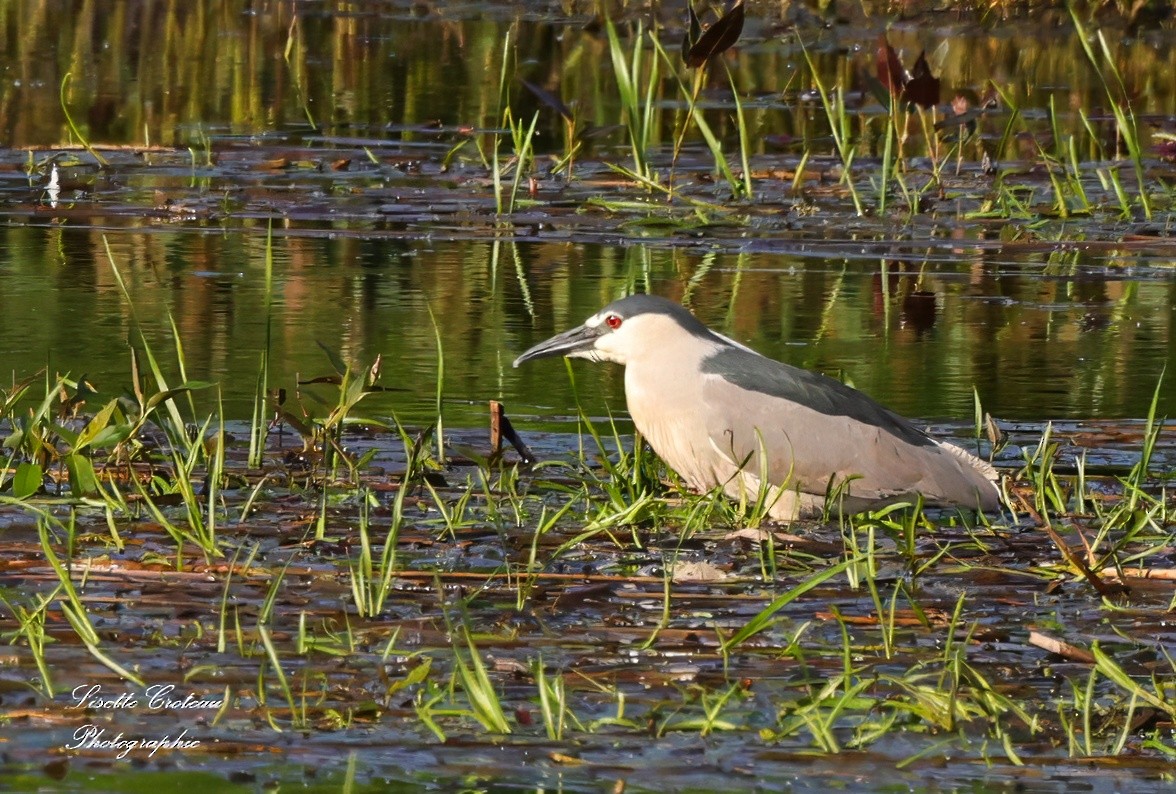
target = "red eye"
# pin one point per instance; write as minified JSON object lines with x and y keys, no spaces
{"x":613,"y":321}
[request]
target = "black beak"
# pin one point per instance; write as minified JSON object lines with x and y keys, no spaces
{"x":577,"y":340}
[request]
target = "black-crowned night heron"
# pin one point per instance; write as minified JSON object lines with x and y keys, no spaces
{"x":709,"y":406}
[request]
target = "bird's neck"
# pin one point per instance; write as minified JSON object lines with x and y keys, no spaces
{"x":665,"y":382}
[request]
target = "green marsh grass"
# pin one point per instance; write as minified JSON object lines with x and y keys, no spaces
{"x":740,"y":188}
{"x":455,"y":516}
{"x":174,"y":426}
{"x":849,"y":704}
{"x":637,"y":84}
{"x":711,"y":705}
{"x":528,"y":576}
{"x":471,"y":676}
{"x":522,"y":139}
{"x":295,"y":57}
{"x":372,"y":584}
{"x":325,"y":433}
{"x":629,"y":479}
{"x":612,"y":500}
{"x":260,"y":417}
{"x":553,"y":701}
{"x":1119,"y":99}
{"x":767,"y":616}
{"x":439,"y":422}
{"x":31,"y":622}
{"x":73,"y":128}
{"x":70,"y":601}
{"x":840,"y":125}
{"x":33,"y":439}
{"x":496,"y":170}
{"x":223,"y":610}
{"x":298,"y":718}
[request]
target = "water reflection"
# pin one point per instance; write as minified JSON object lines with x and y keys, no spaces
{"x":917,"y":313}
{"x":177,"y":73}
{"x":1034,"y":338}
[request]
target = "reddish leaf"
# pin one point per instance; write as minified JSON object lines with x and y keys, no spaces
{"x":719,"y":37}
{"x":890,"y":71}
{"x":922,"y":88}
{"x":919,"y":87}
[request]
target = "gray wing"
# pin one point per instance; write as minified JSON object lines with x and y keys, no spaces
{"x":814,"y":428}
{"x":781,"y":383}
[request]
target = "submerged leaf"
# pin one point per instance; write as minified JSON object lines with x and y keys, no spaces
{"x":719,"y":37}
{"x":697,"y":571}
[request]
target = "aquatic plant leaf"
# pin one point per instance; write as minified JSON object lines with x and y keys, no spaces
{"x":183,"y":388}
{"x":890,"y":71}
{"x":72,"y":404}
{"x":27,"y":480}
{"x":693,"y":31}
{"x":111,"y":436}
{"x":95,"y":426}
{"x":719,"y":37}
{"x":82,"y":480}
{"x":414,"y":676}
{"x":301,"y":427}
{"x":919,"y":87}
{"x":356,"y":389}
{"x":550,"y":99}
{"x":922,"y":88}
{"x":374,"y":369}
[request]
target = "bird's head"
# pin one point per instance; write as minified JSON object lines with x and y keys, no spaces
{"x":622,"y":331}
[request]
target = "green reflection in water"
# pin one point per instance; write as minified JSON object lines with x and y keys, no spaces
{"x":169,"y":73}
{"x":1037,"y":338}
{"x":1040,"y":332}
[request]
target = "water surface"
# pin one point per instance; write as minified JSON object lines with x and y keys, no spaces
{"x":1037,"y":336}
{"x":363,"y":136}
